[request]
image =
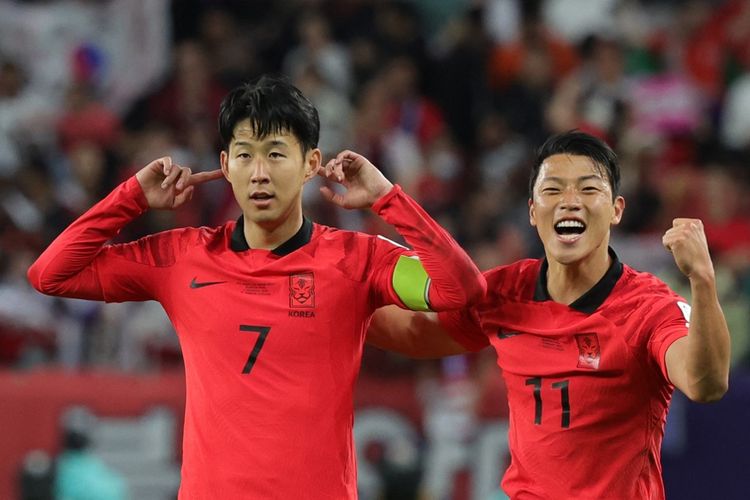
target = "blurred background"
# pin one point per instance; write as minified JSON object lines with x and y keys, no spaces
{"x":449,"y":98}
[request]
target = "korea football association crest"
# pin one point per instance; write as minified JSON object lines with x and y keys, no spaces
{"x":302,"y":290}
{"x":589,"y":352}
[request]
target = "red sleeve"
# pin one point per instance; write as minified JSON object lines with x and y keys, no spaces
{"x":671,"y":323}
{"x":464,"y":327}
{"x":79,"y":264}
{"x":454,"y":279}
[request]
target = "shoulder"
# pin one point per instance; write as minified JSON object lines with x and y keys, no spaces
{"x":642,"y":285}
{"x":516,"y":280}
{"x":354,"y":253}
{"x":647,"y":295}
{"x":520,"y":269}
{"x":185,"y":238}
{"x":213,"y":238}
{"x":352,"y":239}
{"x":165,"y":248}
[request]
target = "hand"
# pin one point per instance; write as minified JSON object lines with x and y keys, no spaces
{"x":687,"y":242}
{"x":168,"y":186}
{"x":364,"y":183}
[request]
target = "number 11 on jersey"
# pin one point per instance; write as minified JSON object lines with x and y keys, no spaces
{"x":563,"y":385}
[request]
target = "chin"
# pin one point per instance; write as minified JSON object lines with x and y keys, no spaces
{"x":568,"y":256}
{"x":261,"y":217}
{"x":565,"y":259}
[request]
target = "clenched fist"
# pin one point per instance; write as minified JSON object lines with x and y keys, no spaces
{"x":686,"y":240}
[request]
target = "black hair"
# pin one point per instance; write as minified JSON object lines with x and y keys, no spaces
{"x":579,"y":143}
{"x":273,"y":105}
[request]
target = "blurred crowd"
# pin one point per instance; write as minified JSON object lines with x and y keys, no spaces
{"x":449,"y":98}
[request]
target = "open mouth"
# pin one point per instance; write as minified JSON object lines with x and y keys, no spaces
{"x":570,"y":228}
{"x":261,"y":196}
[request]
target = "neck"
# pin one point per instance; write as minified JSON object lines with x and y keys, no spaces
{"x":568,"y":282}
{"x":271,"y":235}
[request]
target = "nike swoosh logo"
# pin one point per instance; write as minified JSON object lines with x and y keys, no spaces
{"x":506,"y":335}
{"x":197,"y":284}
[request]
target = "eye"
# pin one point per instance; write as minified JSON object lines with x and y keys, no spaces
{"x":243,"y":155}
{"x":550,"y":190}
{"x":590,"y":189}
{"x":276,"y":155}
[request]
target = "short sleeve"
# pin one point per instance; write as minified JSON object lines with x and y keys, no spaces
{"x":671,"y":323}
{"x":464,"y":327}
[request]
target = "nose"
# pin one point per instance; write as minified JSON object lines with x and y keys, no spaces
{"x":571,"y":198}
{"x":259,"y":172}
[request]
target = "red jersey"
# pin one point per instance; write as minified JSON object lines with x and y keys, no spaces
{"x":271,"y":340}
{"x":587,"y":383}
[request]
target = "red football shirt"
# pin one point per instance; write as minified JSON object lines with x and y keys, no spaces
{"x":587,"y":383}
{"x":272,"y":340}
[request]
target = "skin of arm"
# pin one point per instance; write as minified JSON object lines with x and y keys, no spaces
{"x":698,"y":364}
{"x":413,"y":334}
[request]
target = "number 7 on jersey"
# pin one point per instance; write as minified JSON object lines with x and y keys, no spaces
{"x":263,"y":333}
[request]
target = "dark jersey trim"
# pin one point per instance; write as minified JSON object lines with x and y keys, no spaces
{"x":301,"y":238}
{"x":591,"y":300}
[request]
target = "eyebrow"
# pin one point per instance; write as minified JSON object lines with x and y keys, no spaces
{"x":583,"y":178}
{"x":272,"y":143}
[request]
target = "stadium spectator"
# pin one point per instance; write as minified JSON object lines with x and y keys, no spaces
{"x":79,"y":473}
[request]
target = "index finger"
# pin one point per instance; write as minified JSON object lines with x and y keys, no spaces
{"x":681,"y":221}
{"x":201,"y":177}
{"x":346,"y":154}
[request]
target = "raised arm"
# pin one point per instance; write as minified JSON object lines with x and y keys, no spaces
{"x":698,"y":364}
{"x":453,"y":281}
{"x":65,"y":267}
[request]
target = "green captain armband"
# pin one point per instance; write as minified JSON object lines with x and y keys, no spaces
{"x":411,"y":283}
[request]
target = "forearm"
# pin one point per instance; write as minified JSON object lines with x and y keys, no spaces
{"x":413,"y":334}
{"x":455,"y":281}
{"x":707,"y":348}
{"x":64,"y":267}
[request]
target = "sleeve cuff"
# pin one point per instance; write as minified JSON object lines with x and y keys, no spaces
{"x":666,"y":344}
{"x":381,"y":202}
{"x":134,"y":189}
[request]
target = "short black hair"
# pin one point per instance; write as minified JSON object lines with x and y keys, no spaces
{"x":579,"y":143}
{"x":273,"y":105}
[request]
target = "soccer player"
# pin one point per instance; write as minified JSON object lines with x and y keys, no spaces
{"x":590,"y":349}
{"x":271,"y":310}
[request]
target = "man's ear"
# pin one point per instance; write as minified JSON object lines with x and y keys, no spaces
{"x":313,"y":161}
{"x":619,"y":206}
{"x":224,"y":160}
{"x":532,"y":214}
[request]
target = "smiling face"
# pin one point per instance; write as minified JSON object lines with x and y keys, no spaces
{"x":267,"y":175}
{"x":572,"y":208}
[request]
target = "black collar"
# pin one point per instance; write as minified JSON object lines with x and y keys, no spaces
{"x":591,"y":300}
{"x":301,"y":237}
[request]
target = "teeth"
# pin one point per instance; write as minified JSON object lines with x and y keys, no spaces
{"x":569,"y":223}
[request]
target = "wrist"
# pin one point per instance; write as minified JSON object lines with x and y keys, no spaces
{"x":701,"y":279}
{"x":384,"y":197}
{"x":384,"y":190}
{"x":135,"y":188}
